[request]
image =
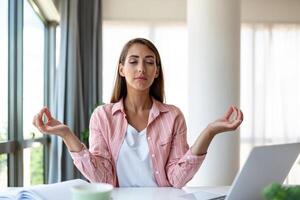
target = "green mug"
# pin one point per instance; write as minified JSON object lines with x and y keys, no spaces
{"x":92,"y":191}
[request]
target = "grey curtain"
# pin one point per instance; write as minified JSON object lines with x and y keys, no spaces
{"x":78,"y":77}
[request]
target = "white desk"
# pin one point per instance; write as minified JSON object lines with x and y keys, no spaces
{"x":159,"y":193}
{"x":162,"y":193}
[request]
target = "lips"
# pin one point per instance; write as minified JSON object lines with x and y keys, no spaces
{"x":140,"y":78}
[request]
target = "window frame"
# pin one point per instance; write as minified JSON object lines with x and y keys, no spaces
{"x":15,"y":144}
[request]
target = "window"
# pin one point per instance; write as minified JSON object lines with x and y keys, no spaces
{"x":33,"y":90}
{"x":24,"y":39}
{"x":3,"y":69}
{"x":3,"y":87}
{"x":270,"y":87}
{"x":173,"y":55}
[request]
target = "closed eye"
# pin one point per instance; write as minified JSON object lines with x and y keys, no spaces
{"x":149,"y":61}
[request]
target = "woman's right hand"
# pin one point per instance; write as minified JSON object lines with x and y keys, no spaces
{"x":51,"y":126}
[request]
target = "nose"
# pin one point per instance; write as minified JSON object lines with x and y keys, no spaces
{"x":141,"y":67}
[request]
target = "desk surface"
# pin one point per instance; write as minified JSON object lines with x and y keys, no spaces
{"x":151,"y":193}
{"x":147,"y":193}
{"x":163,"y":193}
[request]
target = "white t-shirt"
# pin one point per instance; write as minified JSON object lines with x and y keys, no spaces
{"x":134,"y":167}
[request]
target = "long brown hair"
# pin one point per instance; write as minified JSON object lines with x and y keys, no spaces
{"x":157,"y":88}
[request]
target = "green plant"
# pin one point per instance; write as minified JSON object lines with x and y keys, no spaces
{"x":36,"y":166}
{"x":3,"y":162}
{"x":276,"y":191}
{"x":84,"y":135}
{"x":3,"y":157}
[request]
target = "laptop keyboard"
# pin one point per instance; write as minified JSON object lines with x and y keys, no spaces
{"x":219,"y":198}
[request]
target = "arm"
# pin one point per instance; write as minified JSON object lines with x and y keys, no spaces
{"x":183,"y":162}
{"x":221,"y":125}
{"x":55,"y":127}
{"x":95,"y":164}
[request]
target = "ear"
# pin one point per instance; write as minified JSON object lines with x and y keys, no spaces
{"x":121,"y":68}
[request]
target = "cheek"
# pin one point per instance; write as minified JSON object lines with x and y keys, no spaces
{"x":127,"y":70}
{"x":156,"y":72}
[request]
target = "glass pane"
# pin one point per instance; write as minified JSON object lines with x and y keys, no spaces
{"x":33,"y":71}
{"x":3,"y":69}
{"x":57,"y":45}
{"x":33,"y":165}
{"x":3,"y":171}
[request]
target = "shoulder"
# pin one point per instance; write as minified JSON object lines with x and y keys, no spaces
{"x":169,"y":109}
{"x":103,"y":115}
{"x":103,"y":111}
{"x":106,"y":109}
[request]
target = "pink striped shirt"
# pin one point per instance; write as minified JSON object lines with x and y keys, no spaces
{"x":172,"y":160}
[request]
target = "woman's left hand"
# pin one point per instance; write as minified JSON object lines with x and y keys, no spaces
{"x":226,"y":123}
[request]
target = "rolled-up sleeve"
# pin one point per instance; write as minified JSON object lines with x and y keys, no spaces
{"x":96,"y":163}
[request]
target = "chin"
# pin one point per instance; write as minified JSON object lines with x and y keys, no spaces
{"x":141,"y":88}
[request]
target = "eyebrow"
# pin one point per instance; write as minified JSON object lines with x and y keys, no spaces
{"x":136,"y":56}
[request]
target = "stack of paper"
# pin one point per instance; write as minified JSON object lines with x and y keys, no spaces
{"x":57,"y":191}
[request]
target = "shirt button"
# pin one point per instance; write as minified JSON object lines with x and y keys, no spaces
{"x":148,"y":138}
{"x":153,"y":155}
{"x":188,"y":157}
{"x":156,"y":172}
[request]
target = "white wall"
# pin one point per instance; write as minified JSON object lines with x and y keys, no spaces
{"x":144,"y":10}
{"x":270,"y":11}
{"x":175,"y":10}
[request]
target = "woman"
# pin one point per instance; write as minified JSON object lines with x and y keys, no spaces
{"x":137,"y":140}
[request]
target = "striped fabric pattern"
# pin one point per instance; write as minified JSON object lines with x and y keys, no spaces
{"x":172,"y":160}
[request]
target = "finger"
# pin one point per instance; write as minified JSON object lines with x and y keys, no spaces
{"x":48,"y":114}
{"x":229,"y":112}
{"x":233,"y":125}
{"x":238,"y":116}
{"x":36,"y":122}
{"x":236,"y":124}
{"x":233,"y":115}
{"x":38,"y":125}
{"x":242,"y":115}
{"x":42,"y":111}
{"x":39,"y":121}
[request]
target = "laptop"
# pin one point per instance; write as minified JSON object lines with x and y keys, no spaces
{"x":265,"y":165}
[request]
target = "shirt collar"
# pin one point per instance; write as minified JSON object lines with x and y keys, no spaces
{"x":119,"y":106}
{"x":157,"y":107}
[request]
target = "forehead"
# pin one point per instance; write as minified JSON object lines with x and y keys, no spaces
{"x":140,"y":50}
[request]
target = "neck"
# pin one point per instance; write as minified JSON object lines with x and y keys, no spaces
{"x":137,"y":102}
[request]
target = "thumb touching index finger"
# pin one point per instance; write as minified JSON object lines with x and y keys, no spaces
{"x":48,"y":114}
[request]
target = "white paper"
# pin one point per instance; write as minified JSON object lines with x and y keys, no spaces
{"x":57,"y":191}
